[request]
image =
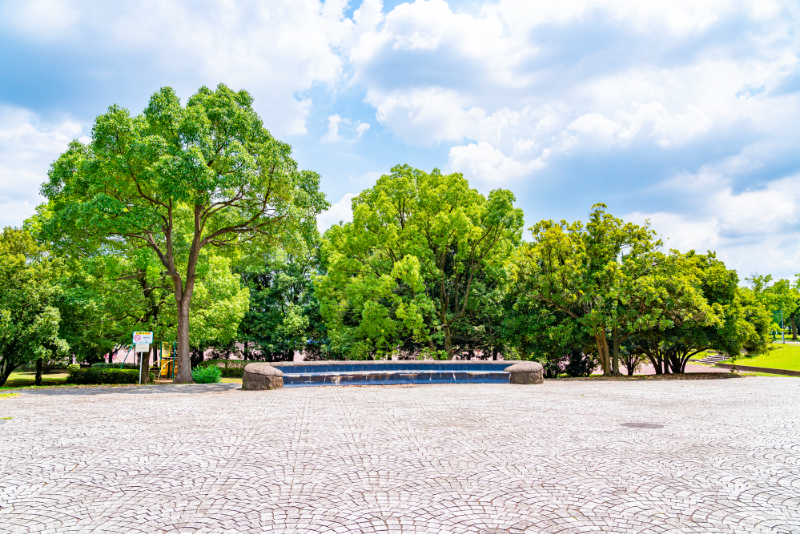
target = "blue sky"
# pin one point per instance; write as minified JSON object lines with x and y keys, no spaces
{"x":684,"y":113}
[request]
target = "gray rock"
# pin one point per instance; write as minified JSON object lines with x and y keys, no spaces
{"x":258,"y":376}
{"x":526,"y":373}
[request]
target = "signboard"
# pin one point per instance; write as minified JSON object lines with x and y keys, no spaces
{"x":142,"y":337}
{"x":143,"y":347}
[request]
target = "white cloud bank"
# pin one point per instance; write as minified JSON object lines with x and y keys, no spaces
{"x":754,"y":230}
{"x":26,"y":151}
{"x":517,"y":74}
{"x":512,"y":88}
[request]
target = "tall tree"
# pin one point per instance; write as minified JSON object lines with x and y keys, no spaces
{"x":409,"y":260}
{"x":177,"y":179}
{"x":29,"y":318}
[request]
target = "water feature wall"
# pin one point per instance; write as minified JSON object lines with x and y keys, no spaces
{"x":389,"y":372}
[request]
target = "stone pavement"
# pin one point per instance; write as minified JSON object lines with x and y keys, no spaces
{"x":562,"y":457}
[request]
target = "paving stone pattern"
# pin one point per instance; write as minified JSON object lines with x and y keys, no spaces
{"x":562,"y":457}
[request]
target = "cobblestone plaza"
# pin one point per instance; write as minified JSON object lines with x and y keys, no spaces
{"x":562,"y":457}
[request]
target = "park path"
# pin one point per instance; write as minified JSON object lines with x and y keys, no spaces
{"x":563,"y":457}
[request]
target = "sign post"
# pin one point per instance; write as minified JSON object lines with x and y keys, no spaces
{"x":142,"y":340}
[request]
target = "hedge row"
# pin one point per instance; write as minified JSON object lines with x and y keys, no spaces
{"x":116,"y":365}
{"x":100,"y":375}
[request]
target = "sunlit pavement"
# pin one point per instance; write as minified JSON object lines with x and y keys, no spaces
{"x":566,"y":456}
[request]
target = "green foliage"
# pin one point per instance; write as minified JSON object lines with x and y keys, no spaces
{"x":228,"y":368}
{"x":573,"y":277}
{"x":29,"y":318}
{"x":206,"y":374}
{"x":402,"y":274}
{"x":220,"y":303}
{"x":99,"y":375}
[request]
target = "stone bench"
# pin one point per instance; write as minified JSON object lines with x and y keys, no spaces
{"x":526,"y":372}
{"x":260,"y":376}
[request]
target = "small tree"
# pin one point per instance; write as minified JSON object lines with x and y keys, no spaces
{"x":706,"y":310}
{"x":29,"y":318}
{"x":177,"y":179}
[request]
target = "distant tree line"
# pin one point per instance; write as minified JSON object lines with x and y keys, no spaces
{"x":195,"y":223}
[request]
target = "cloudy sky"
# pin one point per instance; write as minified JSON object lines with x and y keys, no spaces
{"x":682,"y":112}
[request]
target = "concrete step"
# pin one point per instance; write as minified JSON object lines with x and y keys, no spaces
{"x":714,"y":358}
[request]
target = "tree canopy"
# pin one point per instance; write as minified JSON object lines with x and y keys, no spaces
{"x":401,"y":275}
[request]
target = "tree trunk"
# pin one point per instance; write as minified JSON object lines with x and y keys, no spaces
{"x":5,"y":370}
{"x":144,"y":373}
{"x":602,"y":351}
{"x":615,"y":359}
{"x":794,"y":328}
{"x":494,"y":353}
{"x":183,"y":374}
{"x":39,"y":364}
{"x":655,"y":361}
{"x":448,"y":342}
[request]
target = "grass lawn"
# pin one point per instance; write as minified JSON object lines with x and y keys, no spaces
{"x":780,"y":356}
{"x":231,"y":380}
{"x":19,"y":379}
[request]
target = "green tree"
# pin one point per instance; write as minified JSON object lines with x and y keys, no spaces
{"x":177,"y":179}
{"x":576,"y":270}
{"x":402,"y":274}
{"x":283,"y":316}
{"x":29,"y":319}
{"x":703,"y":310}
{"x":784,"y":300}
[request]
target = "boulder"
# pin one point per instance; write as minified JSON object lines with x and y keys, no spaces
{"x":259,"y":376}
{"x":526,"y":373}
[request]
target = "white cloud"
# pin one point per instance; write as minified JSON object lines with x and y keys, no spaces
{"x":337,"y":123}
{"x":485,"y":164}
{"x":27,"y":149}
{"x":338,"y":212}
{"x":277,"y":50}
{"x":361,"y":129}
{"x":332,"y":133}
{"x":578,"y":75}
{"x":752,"y":230}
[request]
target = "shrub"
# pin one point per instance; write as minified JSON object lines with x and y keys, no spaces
{"x":73,"y":367}
{"x":580,"y":364}
{"x":229,"y":368}
{"x":209,"y":374}
{"x":225,"y":364}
